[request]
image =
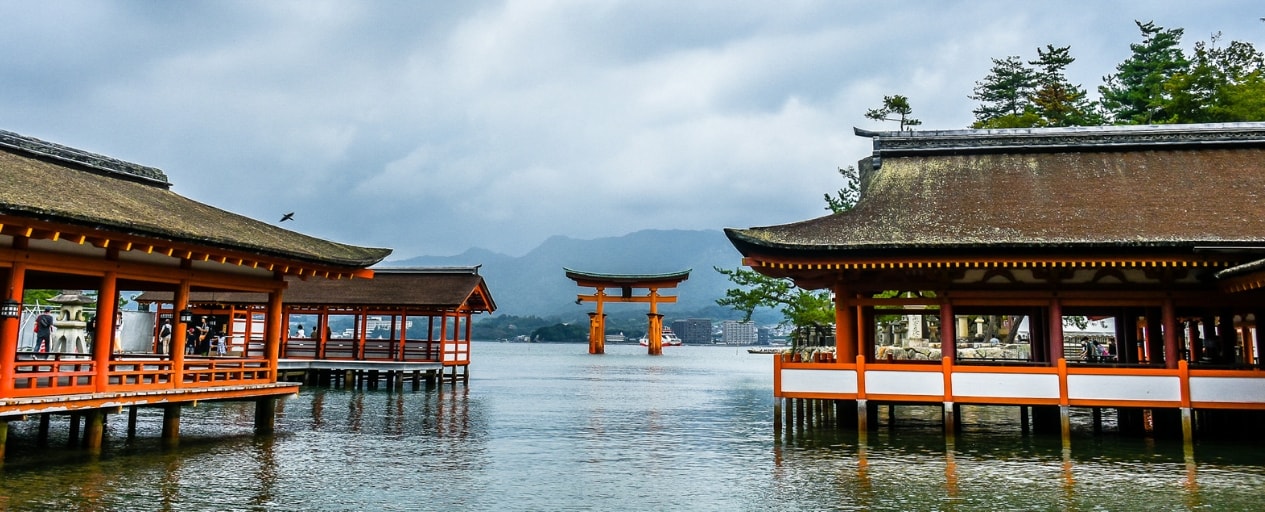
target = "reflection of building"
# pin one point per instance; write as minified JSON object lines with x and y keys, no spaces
{"x":693,"y":331}
{"x":733,"y":332}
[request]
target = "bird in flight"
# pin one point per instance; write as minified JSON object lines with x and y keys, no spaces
{"x":288,"y":216}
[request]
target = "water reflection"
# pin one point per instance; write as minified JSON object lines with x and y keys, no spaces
{"x":541,"y":429}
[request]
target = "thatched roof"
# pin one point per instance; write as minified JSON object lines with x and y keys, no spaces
{"x":431,"y":288}
{"x":1123,"y":188}
{"x":62,"y":185}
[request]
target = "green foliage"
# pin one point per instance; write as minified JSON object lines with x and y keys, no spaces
{"x":798,"y":307}
{"x":33,"y":297}
{"x":1136,"y":93}
{"x":561,"y":332}
{"x":893,"y":105}
{"x":1057,"y":101}
{"x":499,"y":327}
{"x":1014,"y":95}
{"x":847,"y":196}
{"x":1223,"y":84}
{"x":1005,"y":92}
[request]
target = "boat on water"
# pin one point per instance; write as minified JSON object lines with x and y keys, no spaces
{"x":669,"y":339}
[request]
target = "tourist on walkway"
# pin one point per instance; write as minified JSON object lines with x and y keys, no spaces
{"x":44,"y":331}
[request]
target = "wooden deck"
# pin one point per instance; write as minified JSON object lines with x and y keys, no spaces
{"x":1029,"y":384}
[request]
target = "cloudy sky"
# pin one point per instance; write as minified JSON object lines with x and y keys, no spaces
{"x":434,"y":127}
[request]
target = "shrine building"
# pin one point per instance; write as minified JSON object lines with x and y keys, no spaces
{"x":972,"y":255}
{"x":74,"y":220}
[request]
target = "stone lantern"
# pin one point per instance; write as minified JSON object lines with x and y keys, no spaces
{"x":72,"y":322}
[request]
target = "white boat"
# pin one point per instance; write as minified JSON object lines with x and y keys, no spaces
{"x":669,"y":339}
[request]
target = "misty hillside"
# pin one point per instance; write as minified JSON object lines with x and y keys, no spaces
{"x":535,"y":284}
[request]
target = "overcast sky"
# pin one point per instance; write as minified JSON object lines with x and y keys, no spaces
{"x":434,"y":127}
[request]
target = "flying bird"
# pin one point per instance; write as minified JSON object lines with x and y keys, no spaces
{"x":288,"y":216}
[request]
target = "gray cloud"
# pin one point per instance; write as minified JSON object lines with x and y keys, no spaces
{"x":432,"y":127}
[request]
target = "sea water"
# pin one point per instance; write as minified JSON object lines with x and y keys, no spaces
{"x":550,"y":427}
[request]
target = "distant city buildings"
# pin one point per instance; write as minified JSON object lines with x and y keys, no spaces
{"x":733,"y":332}
{"x":693,"y":331}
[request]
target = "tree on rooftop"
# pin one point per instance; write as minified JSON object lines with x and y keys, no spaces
{"x":1136,"y":93}
{"x":1005,"y":96}
{"x":896,"y":105}
{"x":1056,"y":100}
{"x":1223,"y":84}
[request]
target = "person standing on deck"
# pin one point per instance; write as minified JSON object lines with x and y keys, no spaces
{"x":164,"y":337}
{"x":44,"y":331}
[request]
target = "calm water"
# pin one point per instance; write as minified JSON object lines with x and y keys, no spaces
{"x":549,"y":427}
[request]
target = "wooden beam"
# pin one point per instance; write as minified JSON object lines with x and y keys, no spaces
{"x":616,"y":298}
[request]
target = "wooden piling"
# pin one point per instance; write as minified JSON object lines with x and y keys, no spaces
{"x":265,"y":415}
{"x":131,"y":422}
{"x":72,"y":439}
{"x":777,"y":416}
{"x":94,"y":431}
{"x":171,"y":423}
{"x":41,"y":438}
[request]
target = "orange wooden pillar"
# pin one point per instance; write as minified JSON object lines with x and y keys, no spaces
{"x":845,"y":327}
{"x":9,"y":332}
{"x":1172,"y":350}
{"x":948,"y":332}
{"x":654,"y":334}
{"x":1056,"y":330}
{"x":179,"y":337}
{"x":103,"y":339}
{"x":272,"y":332}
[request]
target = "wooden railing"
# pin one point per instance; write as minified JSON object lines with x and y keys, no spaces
{"x":373,"y":350}
{"x":66,"y":374}
{"x":59,"y":374}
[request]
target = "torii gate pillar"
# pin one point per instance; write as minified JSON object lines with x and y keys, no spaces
{"x":626,"y":284}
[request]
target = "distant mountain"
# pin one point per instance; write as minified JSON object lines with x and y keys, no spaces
{"x":535,"y":283}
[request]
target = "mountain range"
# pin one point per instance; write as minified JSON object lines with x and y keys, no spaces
{"x":535,"y":284}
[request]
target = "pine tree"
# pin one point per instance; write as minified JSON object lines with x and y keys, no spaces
{"x":1222,"y":85}
{"x":1004,"y":95}
{"x":1057,"y":101}
{"x":896,"y":104}
{"x":1136,"y":93}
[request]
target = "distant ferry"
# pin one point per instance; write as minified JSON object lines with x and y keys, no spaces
{"x":669,"y":339}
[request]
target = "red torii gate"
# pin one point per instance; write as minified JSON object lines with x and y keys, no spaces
{"x":626,"y":284}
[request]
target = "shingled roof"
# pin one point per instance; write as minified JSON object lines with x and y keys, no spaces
{"x":1174,"y":187}
{"x":428,"y":288}
{"x":55,"y":183}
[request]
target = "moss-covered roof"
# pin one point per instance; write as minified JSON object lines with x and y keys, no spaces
{"x":54,"y":183}
{"x":431,"y":288}
{"x":971,"y":190}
